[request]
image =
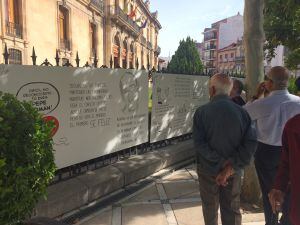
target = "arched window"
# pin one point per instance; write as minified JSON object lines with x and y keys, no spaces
{"x":131,"y":56}
{"x":93,"y":39}
{"x":15,"y":56}
{"x":124,"y":55}
{"x":142,"y":58}
{"x":116,"y":51}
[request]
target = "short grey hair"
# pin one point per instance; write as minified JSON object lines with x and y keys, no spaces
{"x":280,"y":77}
{"x":222,"y":83}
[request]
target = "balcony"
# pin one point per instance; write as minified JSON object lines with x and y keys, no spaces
{"x":210,"y":58}
{"x":14,"y":30}
{"x":143,"y":40}
{"x":210,"y":37}
{"x":240,"y":58}
{"x":149,"y":45}
{"x":210,"y":65}
{"x":98,"y":4}
{"x":65,"y":44}
{"x":158,"y":51}
{"x":210,"y":47}
{"x":121,"y":18}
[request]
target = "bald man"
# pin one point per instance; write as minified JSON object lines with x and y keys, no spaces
{"x":270,"y":120}
{"x":225,"y":141}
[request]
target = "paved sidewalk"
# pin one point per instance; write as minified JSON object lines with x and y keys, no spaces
{"x":173,"y":200}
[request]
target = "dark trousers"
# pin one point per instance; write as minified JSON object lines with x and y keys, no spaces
{"x":227,"y":197}
{"x":267,"y":159}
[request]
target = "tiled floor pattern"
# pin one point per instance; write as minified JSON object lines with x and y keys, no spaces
{"x":173,"y":200}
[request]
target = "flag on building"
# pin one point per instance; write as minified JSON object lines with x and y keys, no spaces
{"x":144,"y":24}
{"x":133,"y":13}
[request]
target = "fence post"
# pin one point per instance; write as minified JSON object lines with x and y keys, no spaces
{"x":77,"y":60}
{"x":148,"y":64}
{"x":6,"y":55}
{"x":33,"y":57}
{"x":95,"y":60}
{"x":137,"y":63}
{"x":111,"y":62}
{"x":57,"y":58}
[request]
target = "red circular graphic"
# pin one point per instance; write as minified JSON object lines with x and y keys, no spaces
{"x":55,"y":121}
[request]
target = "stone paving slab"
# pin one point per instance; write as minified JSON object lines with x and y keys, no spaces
{"x":143,"y":215}
{"x":172,"y":200}
{"x":188,"y":213}
{"x":182,"y":190}
{"x":104,"y":218}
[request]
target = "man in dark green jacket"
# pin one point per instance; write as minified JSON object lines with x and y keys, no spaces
{"x":225,"y":141}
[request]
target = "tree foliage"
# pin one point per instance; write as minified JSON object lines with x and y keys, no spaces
{"x":186,"y":59}
{"x":26,"y":158}
{"x":282,"y":27}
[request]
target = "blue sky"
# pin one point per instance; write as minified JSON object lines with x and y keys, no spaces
{"x":182,"y":18}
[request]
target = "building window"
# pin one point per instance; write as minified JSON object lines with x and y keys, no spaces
{"x":64,"y":28}
{"x":221,"y":57}
{"x":124,"y":55}
{"x":116,"y":51}
{"x":15,"y":56}
{"x":131,"y":56}
{"x":93,"y":38}
{"x":232,"y":55}
{"x":226,"y":56}
{"x":142,"y":58}
{"x":14,"y":18}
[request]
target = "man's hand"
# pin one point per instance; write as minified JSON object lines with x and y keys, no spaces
{"x":276,"y":198}
{"x":261,"y":89}
{"x":224,"y":175}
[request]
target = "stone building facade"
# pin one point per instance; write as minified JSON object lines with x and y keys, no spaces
{"x":124,"y":31}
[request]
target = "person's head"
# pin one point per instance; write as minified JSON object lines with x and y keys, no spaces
{"x":277,"y":79}
{"x":237,"y":88}
{"x":220,"y":84}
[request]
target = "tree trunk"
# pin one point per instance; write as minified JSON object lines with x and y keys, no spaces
{"x":254,"y":61}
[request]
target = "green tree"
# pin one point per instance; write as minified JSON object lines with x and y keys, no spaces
{"x":26,"y":159}
{"x":186,"y":59}
{"x":282,"y":27}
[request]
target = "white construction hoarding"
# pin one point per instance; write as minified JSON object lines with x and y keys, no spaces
{"x":96,"y":111}
{"x":175,"y":99}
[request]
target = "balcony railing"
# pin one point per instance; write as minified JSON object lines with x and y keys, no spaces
{"x":210,"y":37}
{"x":149,"y":45}
{"x":14,"y":30}
{"x":143,"y":40}
{"x":158,"y":51}
{"x":240,"y":58}
{"x":99,"y":4}
{"x":121,"y":17}
{"x":211,"y":47}
{"x":210,"y":65}
{"x":65,"y":44}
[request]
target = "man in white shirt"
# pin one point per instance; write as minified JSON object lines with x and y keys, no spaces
{"x":270,"y":116}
